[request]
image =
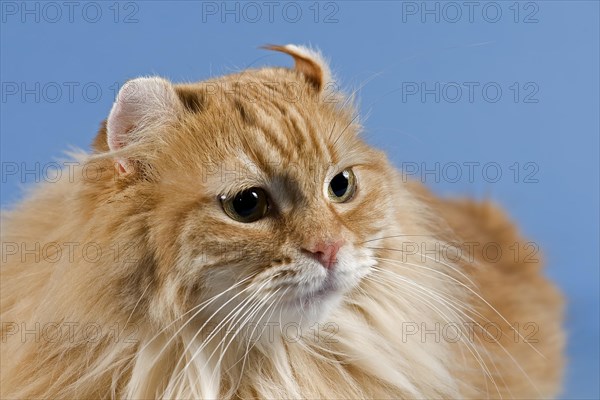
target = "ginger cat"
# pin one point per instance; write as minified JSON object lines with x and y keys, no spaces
{"x":237,"y":238}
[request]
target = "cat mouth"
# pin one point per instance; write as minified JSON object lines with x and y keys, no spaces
{"x":327,"y":290}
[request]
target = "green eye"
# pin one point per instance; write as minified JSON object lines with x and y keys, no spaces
{"x":247,"y":206}
{"x":342,"y":186}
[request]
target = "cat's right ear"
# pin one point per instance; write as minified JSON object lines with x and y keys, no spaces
{"x":143,"y":106}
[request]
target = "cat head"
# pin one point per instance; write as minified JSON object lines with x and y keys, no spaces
{"x":254,"y":191}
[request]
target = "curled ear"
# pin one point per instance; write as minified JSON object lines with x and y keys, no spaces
{"x":308,"y":62}
{"x":143,"y":104}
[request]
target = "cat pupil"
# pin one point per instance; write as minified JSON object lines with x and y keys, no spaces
{"x":245,"y":202}
{"x":339,"y":184}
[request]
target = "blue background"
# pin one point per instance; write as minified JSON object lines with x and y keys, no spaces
{"x":551,"y":49}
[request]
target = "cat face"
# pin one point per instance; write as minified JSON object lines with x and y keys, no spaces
{"x":263,"y":196}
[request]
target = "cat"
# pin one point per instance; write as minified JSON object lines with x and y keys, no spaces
{"x":236,"y":237}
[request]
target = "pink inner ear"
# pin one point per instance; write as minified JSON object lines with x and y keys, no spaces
{"x":142,"y":100}
{"x":121,"y":168}
{"x":118,"y":125}
{"x":120,"y":122}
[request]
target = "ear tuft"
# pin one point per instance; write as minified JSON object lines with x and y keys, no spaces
{"x":308,"y":62}
{"x":141,"y":103}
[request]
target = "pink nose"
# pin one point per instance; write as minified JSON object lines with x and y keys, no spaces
{"x":326,"y":252}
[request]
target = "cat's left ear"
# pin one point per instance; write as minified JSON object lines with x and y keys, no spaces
{"x":144,"y":107}
{"x":309,"y":63}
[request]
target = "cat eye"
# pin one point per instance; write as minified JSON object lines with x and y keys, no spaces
{"x":342,"y":186}
{"x":247,"y":206}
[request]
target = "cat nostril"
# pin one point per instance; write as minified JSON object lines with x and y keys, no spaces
{"x":321,"y":257}
{"x":325,"y":252}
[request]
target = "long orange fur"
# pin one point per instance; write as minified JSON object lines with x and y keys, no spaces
{"x":150,"y":243}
